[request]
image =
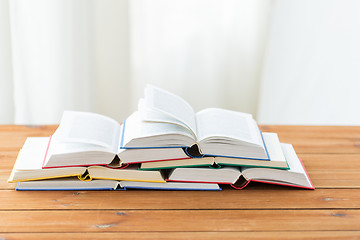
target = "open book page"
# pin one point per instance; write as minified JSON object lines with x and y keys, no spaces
{"x":88,"y":128}
{"x":162,"y":134}
{"x":76,"y":147}
{"x":295,"y":175}
{"x":32,"y":154}
{"x":273,"y":146}
{"x":225,"y":124}
{"x":29,"y":163}
{"x":292,"y":159}
{"x":171,"y":105}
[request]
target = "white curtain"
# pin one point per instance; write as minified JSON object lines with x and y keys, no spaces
{"x":52,"y":65}
{"x":288,"y":62}
{"x":207,"y":51}
{"x":312,"y":67}
{"x":6,"y":80}
{"x":98,"y":55}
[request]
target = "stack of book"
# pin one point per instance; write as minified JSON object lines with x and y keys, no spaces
{"x":163,"y":145}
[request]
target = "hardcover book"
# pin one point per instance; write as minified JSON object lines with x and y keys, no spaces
{"x":74,"y":184}
{"x":85,"y":139}
{"x":276,"y":156}
{"x":166,"y":120}
{"x":295,"y":176}
{"x":28,"y":166}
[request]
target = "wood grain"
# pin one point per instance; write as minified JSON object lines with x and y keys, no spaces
{"x":318,"y":139}
{"x":211,"y":235}
{"x":331,"y":155}
{"x":179,"y":220}
{"x":255,"y":198}
{"x":12,"y":137}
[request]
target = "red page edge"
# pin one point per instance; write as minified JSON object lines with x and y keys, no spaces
{"x":46,"y":153}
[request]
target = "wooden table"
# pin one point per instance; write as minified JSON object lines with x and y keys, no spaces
{"x":331,"y":156}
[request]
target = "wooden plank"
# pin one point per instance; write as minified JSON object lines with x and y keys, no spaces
{"x":318,"y":139}
{"x":183,"y":220}
{"x":7,"y":161}
{"x":333,"y":170}
{"x":315,"y":235}
{"x":12,"y":137}
{"x":255,"y":198}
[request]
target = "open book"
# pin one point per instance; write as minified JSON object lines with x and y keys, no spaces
{"x":28,"y":166}
{"x":295,"y":176}
{"x":74,"y":184}
{"x":277,"y":159}
{"x":85,"y":139}
{"x":166,"y":120}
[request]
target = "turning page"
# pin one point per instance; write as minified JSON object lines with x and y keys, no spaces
{"x":136,"y":134}
{"x":150,"y":115}
{"x":171,"y":105}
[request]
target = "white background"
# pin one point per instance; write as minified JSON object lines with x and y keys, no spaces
{"x":284,"y":61}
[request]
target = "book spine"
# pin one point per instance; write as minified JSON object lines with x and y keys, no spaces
{"x":240,"y":186}
{"x":194,"y":151}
